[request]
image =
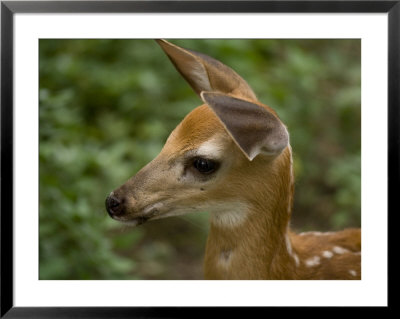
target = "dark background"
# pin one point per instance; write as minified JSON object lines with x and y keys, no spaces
{"x":107,"y":107}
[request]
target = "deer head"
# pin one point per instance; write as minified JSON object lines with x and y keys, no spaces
{"x":209,"y":157}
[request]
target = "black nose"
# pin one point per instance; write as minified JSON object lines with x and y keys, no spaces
{"x":113,"y":205}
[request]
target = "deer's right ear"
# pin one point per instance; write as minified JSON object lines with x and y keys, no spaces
{"x":253,"y":128}
{"x":204,"y":73}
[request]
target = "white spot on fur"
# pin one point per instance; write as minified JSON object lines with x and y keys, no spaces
{"x":327,"y":254}
{"x":288,"y":245}
{"x":227,"y":214}
{"x":290,"y":249}
{"x":225,"y":258}
{"x":315,"y":233}
{"x":212,"y":148}
{"x":311,"y":233}
{"x":353,"y":273}
{"x":313,"y":261}
{"x":340,"y":250}
{"x":296,"y":260}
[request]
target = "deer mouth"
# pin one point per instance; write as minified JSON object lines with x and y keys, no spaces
{"x":138,"y":220}
{"x":144,"y":218}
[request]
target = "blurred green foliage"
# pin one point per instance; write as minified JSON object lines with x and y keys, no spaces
{"x":107,"y":107}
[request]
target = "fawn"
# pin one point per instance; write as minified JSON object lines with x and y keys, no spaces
{"x":231,"y":157}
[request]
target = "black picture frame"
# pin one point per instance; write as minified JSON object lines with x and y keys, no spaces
{"x":9,"y":8}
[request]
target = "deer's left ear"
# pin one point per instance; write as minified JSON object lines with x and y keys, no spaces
{"x":253,"y":128}
{"x":205,"y":73}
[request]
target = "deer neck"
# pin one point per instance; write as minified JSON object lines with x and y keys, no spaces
{"x":251,"y":240}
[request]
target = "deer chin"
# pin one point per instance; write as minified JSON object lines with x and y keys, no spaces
{"x":153,"y":212}
{"x":133,"y":221}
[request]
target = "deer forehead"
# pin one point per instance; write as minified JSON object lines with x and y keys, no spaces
{"x":200,"y":130}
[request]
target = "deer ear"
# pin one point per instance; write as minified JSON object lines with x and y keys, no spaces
{"x":204,"y":73}
{"x":253,"y":128}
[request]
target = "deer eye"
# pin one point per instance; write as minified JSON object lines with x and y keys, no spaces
{"x":205,"y":166}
